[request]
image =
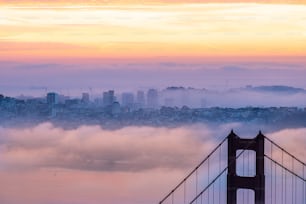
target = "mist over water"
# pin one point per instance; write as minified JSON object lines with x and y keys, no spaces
{"x":47,"y":164}
{"x":36,"y":78}
{"x":234,"y":98}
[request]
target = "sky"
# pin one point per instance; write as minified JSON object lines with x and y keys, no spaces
{"x":76,"y":42}
{"x":142,"y":31}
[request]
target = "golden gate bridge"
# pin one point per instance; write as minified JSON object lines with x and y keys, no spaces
{"x":256,"y":170}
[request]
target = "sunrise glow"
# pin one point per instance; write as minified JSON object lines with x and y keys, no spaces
{"x":143,"y":31}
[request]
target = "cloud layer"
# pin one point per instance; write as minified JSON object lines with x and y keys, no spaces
{"x":46,"y":164}
{"x":134,"y":165}
{"x":92,"y":148}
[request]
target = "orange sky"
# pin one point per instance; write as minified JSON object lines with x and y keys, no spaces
{"x":152,"y":31}
{"x":120,"y":2}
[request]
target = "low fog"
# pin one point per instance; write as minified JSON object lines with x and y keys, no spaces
{"x":47,"y":164}
{"x":235,"y":98}
{"x":93,"y":148}
{"x":26,"y":78}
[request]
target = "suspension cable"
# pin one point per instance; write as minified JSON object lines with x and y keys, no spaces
{"x":288,"y":170}
{"x":212,"y":182}
{"x":200,"y":164}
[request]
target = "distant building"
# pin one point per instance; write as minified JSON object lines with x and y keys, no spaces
{"x":108,"y":98}
{"x":52,"y":98}
{"x":62,"y":99}
{"x":116,"y":108}
{"x":127,"y":100}
{"x":85,"y":98}
{"x":98,"y":101}
{"x":1,"y":98}
{"x":140,"y":99}
{"x":152,"y":98}
{"x":72,"y":102}
{"x":35,"y":101}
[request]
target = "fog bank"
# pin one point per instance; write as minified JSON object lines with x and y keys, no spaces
{"x":134,"y":165}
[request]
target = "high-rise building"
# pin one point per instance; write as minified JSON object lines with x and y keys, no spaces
{"x":108,"y":98}
{"x":52,"y":98}
{"x":140,"y":100}
{"x":62,"y":98}
{"x":1,"y":98}
{"x":116,"y":108}
{"x":127,"y":100}
{"x":152,"y":98}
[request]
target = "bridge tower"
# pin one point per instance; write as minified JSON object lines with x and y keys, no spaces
{"x":235,"y":182}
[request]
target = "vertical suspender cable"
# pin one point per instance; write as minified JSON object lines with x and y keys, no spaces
{"x":208,"y":180}
{"x":275,"y":185}
{"x":248,"y":200}
{"x":285,"y":187}
{"x":243,"y":173}
{"x":282,"y":177}
{"x":213,"y":186}
{"x":271,"y":173}
{"x":220,"y":158}
{"x":295,"y":190}
{"x":196,"y":184}
{"x":304,"y":190}
{"x":292,"y":169}
{"x":184,"y":192}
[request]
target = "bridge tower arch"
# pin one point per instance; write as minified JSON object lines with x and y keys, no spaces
{"x":235,"y":182}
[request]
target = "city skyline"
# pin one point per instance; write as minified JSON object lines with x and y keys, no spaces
{"x":179,"y":96}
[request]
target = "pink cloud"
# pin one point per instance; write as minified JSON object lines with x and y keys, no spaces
{"x":92,"y":148}
{"x":46,"y":164}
